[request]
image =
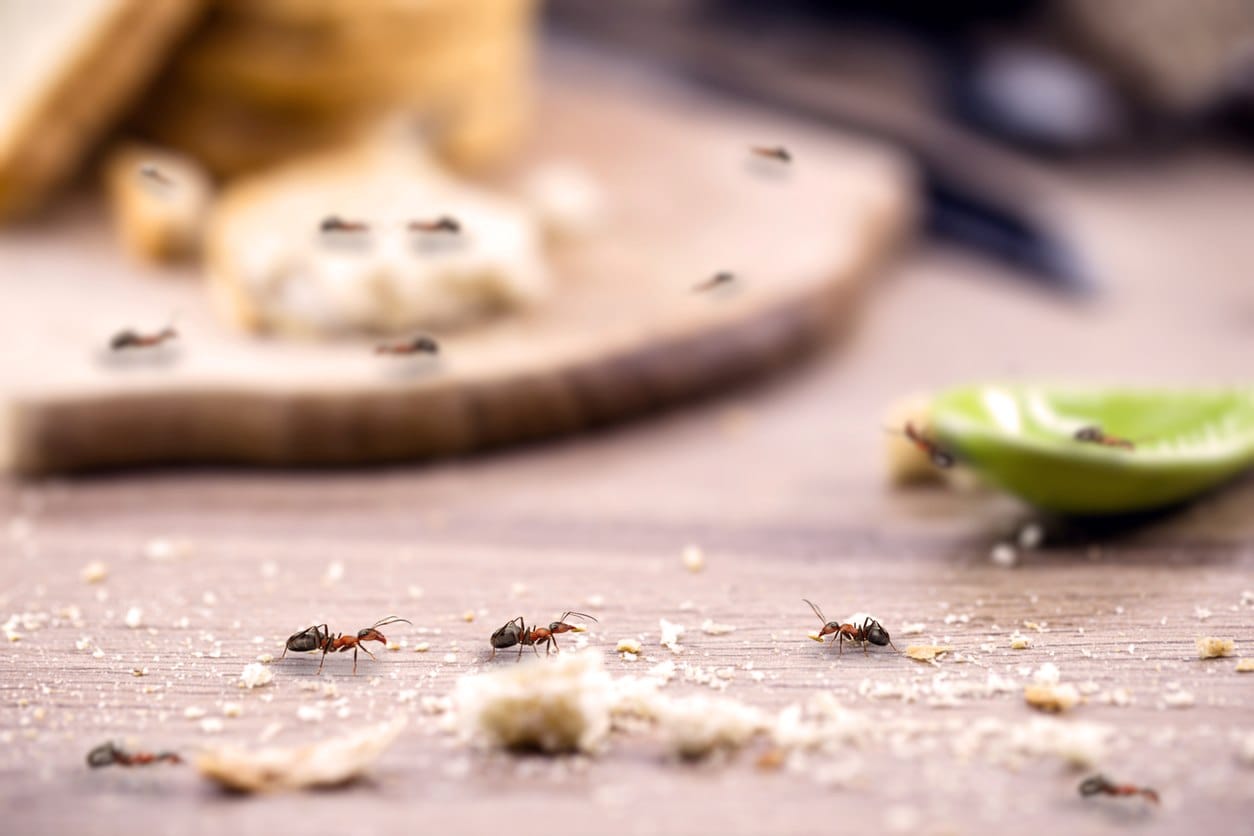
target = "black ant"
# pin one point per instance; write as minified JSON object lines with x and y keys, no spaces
{"x":133,"y":339}
{"x":334,"y":223}
{"x":937,"y":454}
{"x":107,"y":754}
{"x":1101,"y":785}
{"x":717,"y":280}
{"x":869,"y":630}
{"x":318,"y":637}
{"x":515,"y":632}
{"x":148,"y":171}
{"x":777,"y":152}
{"x":444,"y":223}
{"x":1094,"y":434}
{"x":417,"y":345}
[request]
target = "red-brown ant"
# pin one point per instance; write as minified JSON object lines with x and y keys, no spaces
{"x":869,"y":631}
{"x":148,"y":171}
{"x":444,"y":223}
{"x":515,"y":632}
{"x":334,"y":223}
{"x":719,"y":279}
{"x":1094,"y":434}
{"x":133,"y":339}
{"x":1101,"y":785}
{"x":777,"y":152}
{"x":937,"y":454}
{"x":417,"y":345}
{"x":107,"y":754}
{"x":318,"y":637}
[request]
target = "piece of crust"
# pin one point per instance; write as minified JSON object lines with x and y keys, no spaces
{"x":73,"y":66}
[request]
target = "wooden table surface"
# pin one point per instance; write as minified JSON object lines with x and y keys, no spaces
{"x":782,"y":488}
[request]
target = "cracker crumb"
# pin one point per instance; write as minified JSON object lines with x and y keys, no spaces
{"x":561,"y":706}
{"x":628,"y":646}
{"x":1018,"y":641}
{"x":1245,"y":665}
{"x":927,"y":652}
{"x":1210,"y":647}
{"x":134,"y":618}
{"x":693,"y":558}
{"x":255,"y":675}
{"x":1051,"y":697}
{"x":327,"y":763}
{"x":95,"y":572}
{"x":1004,"y":555}
{"x":595,"y":600}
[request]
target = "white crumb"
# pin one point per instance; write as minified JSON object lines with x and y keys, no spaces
{"x":558,"y":706}
{"x":1178,"y":699}
{"x":95,"y":572}
{"x":160,"y":549}
{"x":595,"y":600}
{"x":670,"y":635}
{"x":1201,"y":613}
{"x":193,"y":712}
{"x":232,"y":709}
{"x":310,"y":713}
{"x":712,"y":628}
{"x":1047,"y":674}
{"x":1004,"y":555}
{"x":913,"y":629}
{"x":211,"y":725}
{"x":334,"y":573}
{"x":134,"y":618}
{"x":697,"y":726}
{"x":255,"y":675}
{"x":628,"y":646}
{"x":1031,"y":536}
{"x":421,"y":647}
{"x":414,"y":591}
{"x":693,"y":558}
{"x":1052,"y":697}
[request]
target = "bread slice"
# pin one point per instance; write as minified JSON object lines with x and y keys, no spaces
{"x":67,"y":70}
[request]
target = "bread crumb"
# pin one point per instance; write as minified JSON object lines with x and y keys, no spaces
{"x":670,"y":635}
{"x":628,"y":646}
{"x":1018,"y":641}
{"x":139,"y":672}
{"x":713,"y":628}
{"x":95,"y":572}
{"x":162,"y":550}
{"x":695,"y":727}
{"x":912,"y":629}
{"x":232,"y":709}
{"x":134,"y":618}
{"x":1245,"y":665}
{"x":927,"y":652}
{"x":1004,"y":555}
{"x":1047,"y":674}
{"x":814,"y":636}
{"x":334,"y":573}
{"x":422,"y":647}
{"x":693,"y":558}
{"x":558,"y":706}
{"x":255,"y":675}
{"x":211,"y":725}
{"x":1201,"y":613}
{"x":1178,"y":699}
{"x":265,"y":658}
{"x":310,"y":713}
{"x":1209,"y":647}
{"x":1052,"y":698}
{"x":193,"y":712}
{"x":326,"y":763}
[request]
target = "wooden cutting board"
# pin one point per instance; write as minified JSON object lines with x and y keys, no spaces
{"x":624,"y":333}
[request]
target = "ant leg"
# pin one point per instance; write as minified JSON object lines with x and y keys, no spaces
{"x":520,"y":647}
{"x":323,"y":661}
{"x":366,"y":651}
{"x":536,"y":650}
{"x":841,"y":650}
{"x":555,"y":647}
{"x":355,"y":659}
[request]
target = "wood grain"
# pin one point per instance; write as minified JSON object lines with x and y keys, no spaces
{"x":782,"y":488}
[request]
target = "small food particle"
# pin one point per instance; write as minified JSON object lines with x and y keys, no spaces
{"x":255,"y":675}
{"x":1018,"y":641}
{"x":327,"y":763}
{"x":333,"y":574}
{"x":95,"y":572}
{"x":1031,"y":536}
{"x":232,"y":709}
{"x":771,"y":759}
{"x":814,"y":635}
{"x":134,"y":618}
{"x":558,"y":706}
{"x":1004,"y":555}
{"x":927,"y":652}
{"x":193,"y":712}
{"x":713,"y":628}
{"x":211,"y":725}
{"x":310,"y":713}
{"x":468,"y":616}
{"x":1178,"y":699}
{"x":161,"y":549}
{"x":1052,"y":698}
{"x":139,"y":671}
{"x":1245,"y":665}
{"x":670,"y":635}
{"x":422,"y":647}
{"x":697,"y":726}
{"x":694,"y":559}
{"x":1209,"y":647}
{"x":628,"y":646}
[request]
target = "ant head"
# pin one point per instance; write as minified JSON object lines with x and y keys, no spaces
{"x":876,"y":634}
{"x":1088,"y":434}
{"x":1094,"y":785}
{"x":427,"y":344}
{"x":102,"y":755}
{"x":370,"y":634}
{"x":829,"y":628}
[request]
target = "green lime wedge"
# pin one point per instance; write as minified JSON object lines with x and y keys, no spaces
{"x":1023,"y":439}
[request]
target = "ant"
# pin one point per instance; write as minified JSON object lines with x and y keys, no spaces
{"x":515,"y":632}
{"x":1094,"y":434}
{"x":939,"y":456}
{"x":444,"y":223}
{"x":417,"y":345}
{"x":107,"y":754}
{"x":869,"y":630}
{"x":778,"y":152}
{"x":319,"y":637}
{"x":133,"y":339}
{"x":334,"y":223}
{"x":148,"y":171}
{"x":717,"y":280}
{"x":1101,"y":785}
